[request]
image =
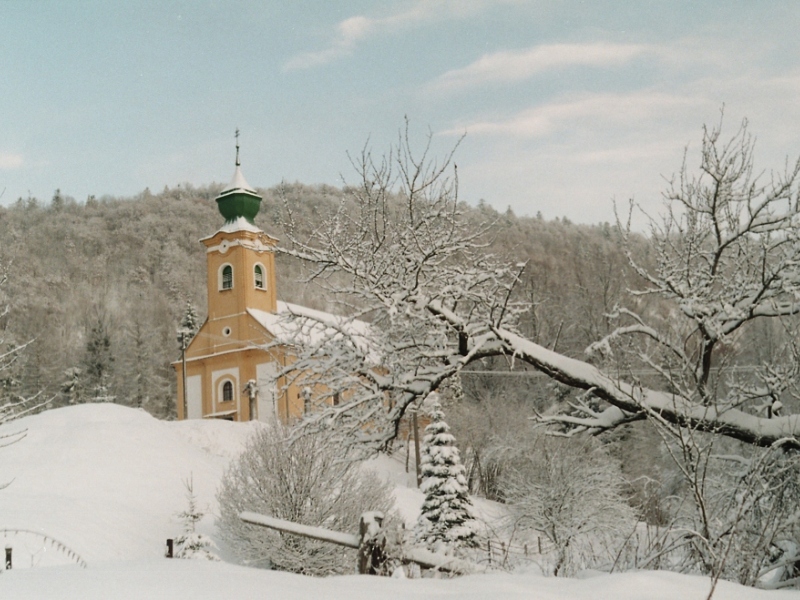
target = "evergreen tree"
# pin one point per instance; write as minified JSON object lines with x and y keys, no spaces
{"x":57,"y":203}
{"x":72,"y":387}
{"x":140,"y":365}
{"x":189,"y":326}
{"x":99,"y":362}
{"x":446,"y":523}
{"x":191,"y":544}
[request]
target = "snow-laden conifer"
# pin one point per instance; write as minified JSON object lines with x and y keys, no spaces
{"x":191,"y":544}
{"x":98,"y":362}
{"x":189,"y":325}
{"x":445,"y":523}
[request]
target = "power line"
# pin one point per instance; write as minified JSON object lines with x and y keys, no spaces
{"x":636,"y":372}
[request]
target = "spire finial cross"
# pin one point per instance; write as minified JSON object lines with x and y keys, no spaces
{"x":237,"y":147}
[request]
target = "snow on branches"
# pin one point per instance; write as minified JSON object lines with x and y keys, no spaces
{"x":407,"y":263}
{"x":399,"y":256}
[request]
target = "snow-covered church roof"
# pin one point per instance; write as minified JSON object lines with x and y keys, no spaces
{"x":295,"y":324}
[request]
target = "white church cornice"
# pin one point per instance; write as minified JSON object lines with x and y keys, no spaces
{"x":226,"y":245}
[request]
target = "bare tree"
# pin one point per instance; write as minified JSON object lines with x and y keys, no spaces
{"x":726,"y":253}
{"x":571,"y":494}
{"x":737,"y":520}
{"x":410,"y":266}
{"x":304,"y":481}
{"x":723,"y":260}
{"x":13,"y":405}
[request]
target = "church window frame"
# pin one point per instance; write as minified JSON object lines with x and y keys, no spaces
{"x":259,"y":276}
{"x":226,"y":391}
{"x":225,"y":277}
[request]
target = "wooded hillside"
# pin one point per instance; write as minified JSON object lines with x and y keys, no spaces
{"x":98,"y":288}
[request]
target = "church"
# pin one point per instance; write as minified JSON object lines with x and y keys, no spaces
{"x":225,"y":372}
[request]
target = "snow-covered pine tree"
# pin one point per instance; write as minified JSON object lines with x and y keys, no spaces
{"x":191,"y":544}
{"x":189,"y":325}
{"x":98,"y":362}
{"x":445,"y":523}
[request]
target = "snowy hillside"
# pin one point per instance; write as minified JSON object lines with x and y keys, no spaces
{"x":106,"y":481}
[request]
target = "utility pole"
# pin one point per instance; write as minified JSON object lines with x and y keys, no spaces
{"x":183,"y":373}
{"x":416,"y":443}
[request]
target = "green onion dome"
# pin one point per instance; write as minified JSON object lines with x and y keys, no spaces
{"x":238,"y":199}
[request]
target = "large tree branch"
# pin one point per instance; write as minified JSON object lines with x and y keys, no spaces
{"x":633,"y":399}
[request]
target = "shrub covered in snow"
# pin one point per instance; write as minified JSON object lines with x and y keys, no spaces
{"x":570,"y":494}
{"x":305,"y":481}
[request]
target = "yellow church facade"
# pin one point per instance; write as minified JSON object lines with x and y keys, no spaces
{"x":229,"y":371}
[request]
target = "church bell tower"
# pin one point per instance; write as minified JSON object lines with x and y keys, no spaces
{"x":240,"y":257}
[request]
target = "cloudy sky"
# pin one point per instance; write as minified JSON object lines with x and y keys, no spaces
{"x":567,"y":105}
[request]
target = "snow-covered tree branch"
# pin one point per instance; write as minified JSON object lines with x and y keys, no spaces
{"x":725,"y":254}
{"x":13,"y":405}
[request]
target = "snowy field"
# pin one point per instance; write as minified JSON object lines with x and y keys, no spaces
{"x":106,"y":482}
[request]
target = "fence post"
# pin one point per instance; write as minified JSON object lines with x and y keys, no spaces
{"x":371,"y":553}
{"x":8,"y":558}
{"x":489,"y":548}
{"x":170,"y":547}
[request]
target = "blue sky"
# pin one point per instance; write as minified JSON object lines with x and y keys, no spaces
{"x":567,"y":105}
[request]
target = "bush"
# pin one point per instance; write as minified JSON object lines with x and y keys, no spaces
{"x":570,"y":493}
{"x":305,"y":481}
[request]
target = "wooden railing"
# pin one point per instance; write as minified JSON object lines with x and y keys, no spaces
{"x":370,"y":543}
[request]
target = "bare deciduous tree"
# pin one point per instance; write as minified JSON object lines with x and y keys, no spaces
{"x":572,"y":495}
{"x":727,"y":254}
{"x":723,"y":259}
{"x":304,"y":481}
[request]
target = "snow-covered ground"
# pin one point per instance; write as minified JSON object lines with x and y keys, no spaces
{"x":107,"y":481}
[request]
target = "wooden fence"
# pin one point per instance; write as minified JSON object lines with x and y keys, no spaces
{"x":370,"y":543}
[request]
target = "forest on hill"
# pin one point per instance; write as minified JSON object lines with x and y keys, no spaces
{"x":97,"y":289}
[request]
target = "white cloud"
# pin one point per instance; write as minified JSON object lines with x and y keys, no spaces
{"x":522,"y":64}
{"x":348,"y":33}
{"x":574,"y":155}
{"x":10,"y":162}
{"x":353,"y":30}
{"x":590,"y":111}
{"x":508,"y":66}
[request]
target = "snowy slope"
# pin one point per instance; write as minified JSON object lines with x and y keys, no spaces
{"x":177,"y":579}
{"x":107,"y":482}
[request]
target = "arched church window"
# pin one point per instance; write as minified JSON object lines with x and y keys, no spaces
{"x":258,"y":272}
{"x":226,"y":278}
{"x":227,"y":391}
